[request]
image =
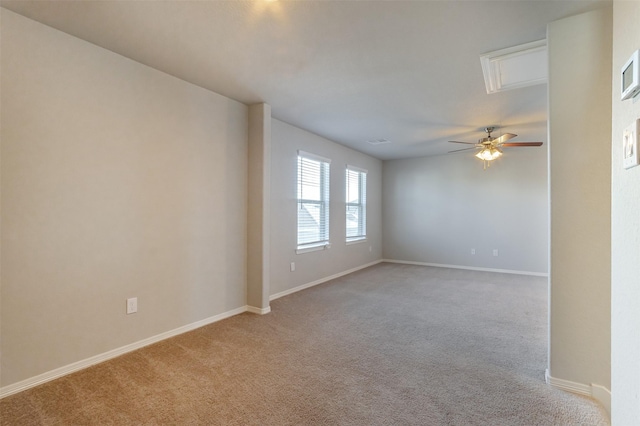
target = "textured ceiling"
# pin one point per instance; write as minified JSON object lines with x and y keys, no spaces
{"x":351,"y":71}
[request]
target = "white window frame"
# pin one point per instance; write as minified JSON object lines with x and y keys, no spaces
{"x":361,"y":205}
{"x":322,"y":202}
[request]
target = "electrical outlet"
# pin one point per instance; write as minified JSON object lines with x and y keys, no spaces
{"x":293,"y":266}
{"x":473,"y":251}
{"x":132,"y":305}
{"x":495,"y":252}
{"x":370,"y":249}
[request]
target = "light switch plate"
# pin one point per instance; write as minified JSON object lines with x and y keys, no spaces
{"x":630,"y":145}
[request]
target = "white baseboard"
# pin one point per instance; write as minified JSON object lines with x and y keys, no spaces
{"x":321,"y":280}
{"x":597,"y":392}
{"x":259,"y":311}
{"x":81,"y":365}
{"x":470,"y":268}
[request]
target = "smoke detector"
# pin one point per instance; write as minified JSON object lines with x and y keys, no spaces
{"x":381,"y":141}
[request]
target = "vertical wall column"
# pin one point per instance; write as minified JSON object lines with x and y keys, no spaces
{"x":625,"y":232}
{"x":258,"y":220}
{"x":580,"y":198}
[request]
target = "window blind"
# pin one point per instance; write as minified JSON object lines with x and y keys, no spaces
{"x":313,"y":200}
{"x":356,"y":203}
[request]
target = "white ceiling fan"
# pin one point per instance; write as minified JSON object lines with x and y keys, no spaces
{"x":490,"y":148}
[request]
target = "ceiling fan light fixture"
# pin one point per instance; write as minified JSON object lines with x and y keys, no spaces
{"x":489,"y":154}
{"x":490,"y":147}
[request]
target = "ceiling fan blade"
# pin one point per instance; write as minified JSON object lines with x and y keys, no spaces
{"x":512,"y":144}
{"x":504,"y":138}
{"x":468,"y":143}
{"x":463,"y":149}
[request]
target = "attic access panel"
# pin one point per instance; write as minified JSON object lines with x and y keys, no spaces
{"x":515,"y":67}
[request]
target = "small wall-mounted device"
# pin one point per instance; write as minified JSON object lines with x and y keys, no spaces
{"x":630,"y":145}
{"x":631,"y":76}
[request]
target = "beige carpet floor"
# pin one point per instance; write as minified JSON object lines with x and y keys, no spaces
{"x":388,"y":345}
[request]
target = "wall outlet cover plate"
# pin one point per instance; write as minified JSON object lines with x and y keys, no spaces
{"x":132,"y":305}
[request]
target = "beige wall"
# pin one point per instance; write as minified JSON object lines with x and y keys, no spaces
{"x":580,"y":191}
{"x":286,"y":141}
{"x":625,"y":232}
{"x":258,"y":219}
{"x":436,"y":209}
{"x":118,"y":181}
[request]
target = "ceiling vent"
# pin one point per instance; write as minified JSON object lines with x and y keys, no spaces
{"x":515,"y":67}
{"x":379,"y":141}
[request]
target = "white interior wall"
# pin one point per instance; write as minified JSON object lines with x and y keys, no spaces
{"x":286,"y":140}
{"x":625,"y":232}
{"x":118,"y":181}
{"x":436,"y":209}
{"x":580,"y":174}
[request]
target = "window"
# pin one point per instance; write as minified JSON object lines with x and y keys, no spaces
{"x":356,"y":204}
{"x":313,"y":202}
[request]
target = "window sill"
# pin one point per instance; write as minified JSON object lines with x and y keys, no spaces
{"x":358,"y":241}
{"x":308,"y":249}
